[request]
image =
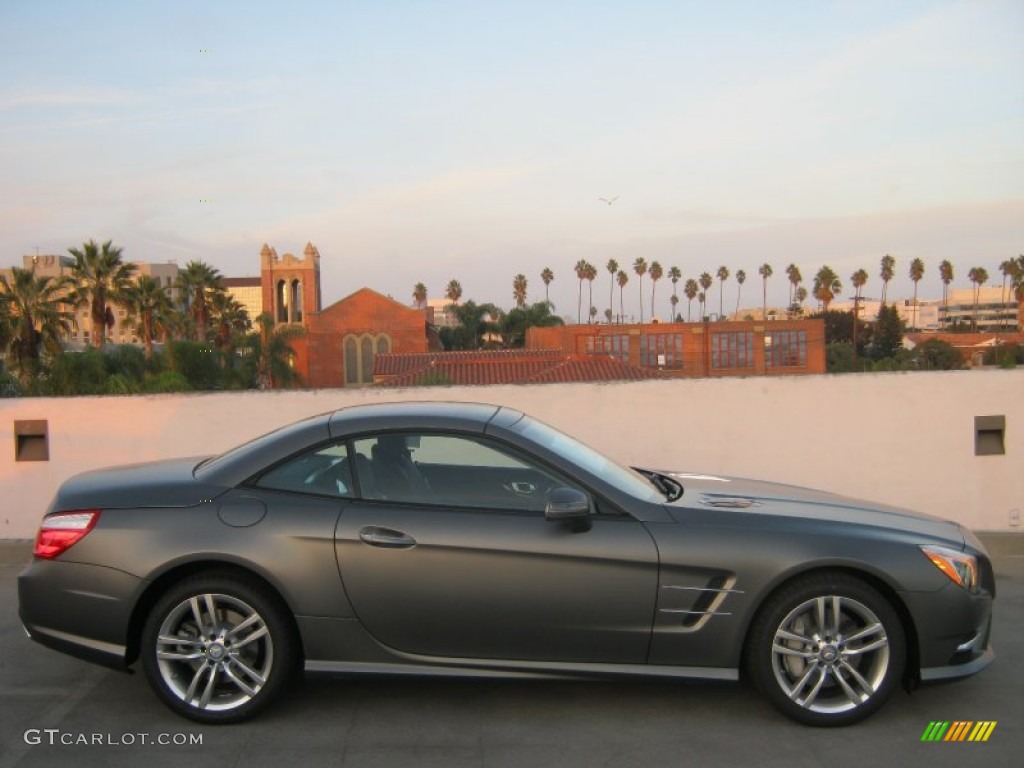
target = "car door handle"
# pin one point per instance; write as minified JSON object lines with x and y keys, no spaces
{"x":386,"y":537}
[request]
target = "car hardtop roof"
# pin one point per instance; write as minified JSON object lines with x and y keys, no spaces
{"x":419,"y":415}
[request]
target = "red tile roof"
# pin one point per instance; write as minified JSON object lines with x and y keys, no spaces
{"x":507,"y":366}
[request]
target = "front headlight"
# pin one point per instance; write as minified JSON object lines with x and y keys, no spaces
{"x":961,"y":568}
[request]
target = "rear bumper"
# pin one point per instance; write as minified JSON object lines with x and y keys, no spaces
{"x":82,"y":610}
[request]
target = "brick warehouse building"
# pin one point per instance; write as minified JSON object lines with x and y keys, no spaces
{"x":741,"y":348}
{"x":343,"y":340}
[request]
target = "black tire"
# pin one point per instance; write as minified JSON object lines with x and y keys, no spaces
{"x":819,"y":669}
{"x":233,"y":651}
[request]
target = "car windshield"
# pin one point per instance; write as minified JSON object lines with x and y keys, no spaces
{"x":572,"y":450}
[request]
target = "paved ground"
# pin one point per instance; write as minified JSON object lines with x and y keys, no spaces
{"x":449,"y":724}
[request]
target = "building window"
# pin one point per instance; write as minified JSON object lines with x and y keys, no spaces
{"x":366,"y":360}
{"x":607,"y":345}
{"x":662,"y":350}
{"x":296,"y":301}
{"x":732,"y":350}
{"x":383,"y":345}
{"x":351,"y":361}
{"x":786,"y":349}
{"x":282,"y":301}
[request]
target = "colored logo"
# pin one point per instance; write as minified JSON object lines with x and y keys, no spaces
{"x":959,"y":730}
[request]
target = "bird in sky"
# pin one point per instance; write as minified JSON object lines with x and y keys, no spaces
{"x":608,"y":200}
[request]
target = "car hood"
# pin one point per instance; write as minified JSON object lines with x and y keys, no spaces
{"x":759,"y":497}
{"x":168,"y":483}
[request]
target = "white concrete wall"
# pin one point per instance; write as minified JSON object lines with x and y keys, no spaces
{"x":901,"y":438}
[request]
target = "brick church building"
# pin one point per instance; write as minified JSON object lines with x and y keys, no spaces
{"x":343,"y":340}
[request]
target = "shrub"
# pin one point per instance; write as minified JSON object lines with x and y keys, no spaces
{"x":168,"y":381}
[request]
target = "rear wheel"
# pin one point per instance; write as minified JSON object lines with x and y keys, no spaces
{"x":827,"y":649}
{"x":217,"y":648}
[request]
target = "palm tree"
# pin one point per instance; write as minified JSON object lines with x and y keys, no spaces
{"x":765,"y":271}
{"x":675,"y":276}
{"x":581,"y":275}
{"x":946,"y":274}
{"x":196,"y":284}
{"x":622,"y":277}
{"x":519,"y":289}
{"x":705,"y":283}
{"x":859,"y":279}
{"x":690,"y":289}
{"x":612,"y":266}
{"x":800,"y":296}
{"x":1008,"y":268}
{"x":916,"y":273}
{"x":722,"y":275}
{"x":795,"y":278}
{"x":453,"y":292}
{"x":741,"y":278}
{"x":419,"y":295}
{"x":99,"y":277}
{"x":38,"y":314}
{"x":640,"y":267}
{"x":547,"y":276}
{"x":701,"y":298}
{"x":886,"y":273}
{"x":149,"y":304}
{"x":656,"y":273}
{"x":273,"y":352}
{"x":591,"y":275}
{"x":230,"y":321}
{"x":978,"y":276}
{"x":826,"y":286}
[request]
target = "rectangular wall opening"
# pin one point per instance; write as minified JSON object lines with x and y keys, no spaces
{"x":31,"y":440}
{"x":989,"y":435}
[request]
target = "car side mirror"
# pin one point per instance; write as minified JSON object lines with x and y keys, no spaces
{"x":568,"y":504}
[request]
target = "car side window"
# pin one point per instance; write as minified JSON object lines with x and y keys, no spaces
{"x":325,"y":471}
{"x":455,"y":471}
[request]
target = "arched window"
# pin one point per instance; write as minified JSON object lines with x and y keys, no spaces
{"x":296,"y":301}
{"x":351,"y":361}
{"x":383,"y":345}
{"x":282,"y":301}
{"x":366,"y":360}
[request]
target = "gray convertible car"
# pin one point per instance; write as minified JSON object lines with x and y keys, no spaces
{"x":467,"y":539}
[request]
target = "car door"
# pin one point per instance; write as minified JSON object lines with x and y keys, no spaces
{"x":447,"y":553}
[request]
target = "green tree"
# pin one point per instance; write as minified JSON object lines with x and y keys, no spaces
{"x":581,"y":274}
{"x":547,"y":276}
{"x":230,"y":322}
{"x":196,"y":285}
{"x":936,"y":355}
{"x":39,"y":316}
{"x":675,"y":275}
{"x":705,"y":281}
{"x":591,"y":276}
{"x":916,"y":273}
{"x":826,"y":286}
{"x":419,"y":295}
{"x":722,"y":275}
{"x":613,"y":267}
{"x":978,"y":276}
{"x":795,"y":278}
{"x":888,"y":337}
{"x":640,"y":267}
{"x":270,"y":346}
{"x":886,"y":273}
{"x":741,"y":278}
{"x":621,"y":277}
{"x":99,"y":277}
{"x":514,"y":325}
{"x":690,"y":290}
{"x":150,"y":308}
{"x":765,"y":271}
{"x":519,"y":289}
{"x":656,"y":273}
{"x":859,"y":280}
{"x":946,"y":274}
{"x":453,"y":291}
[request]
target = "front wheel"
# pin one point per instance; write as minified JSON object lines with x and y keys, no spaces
{"x":827,"y":649}
{"x":217,"y":648}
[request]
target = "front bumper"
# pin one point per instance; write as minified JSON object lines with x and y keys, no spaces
{"x":954,"y":631}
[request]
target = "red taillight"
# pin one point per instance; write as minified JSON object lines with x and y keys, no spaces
{"x":62,"y":530}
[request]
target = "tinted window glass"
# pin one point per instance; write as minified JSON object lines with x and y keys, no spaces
{"x":325,"y":471}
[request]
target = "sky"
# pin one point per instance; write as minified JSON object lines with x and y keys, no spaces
{"x":433,"y":140}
